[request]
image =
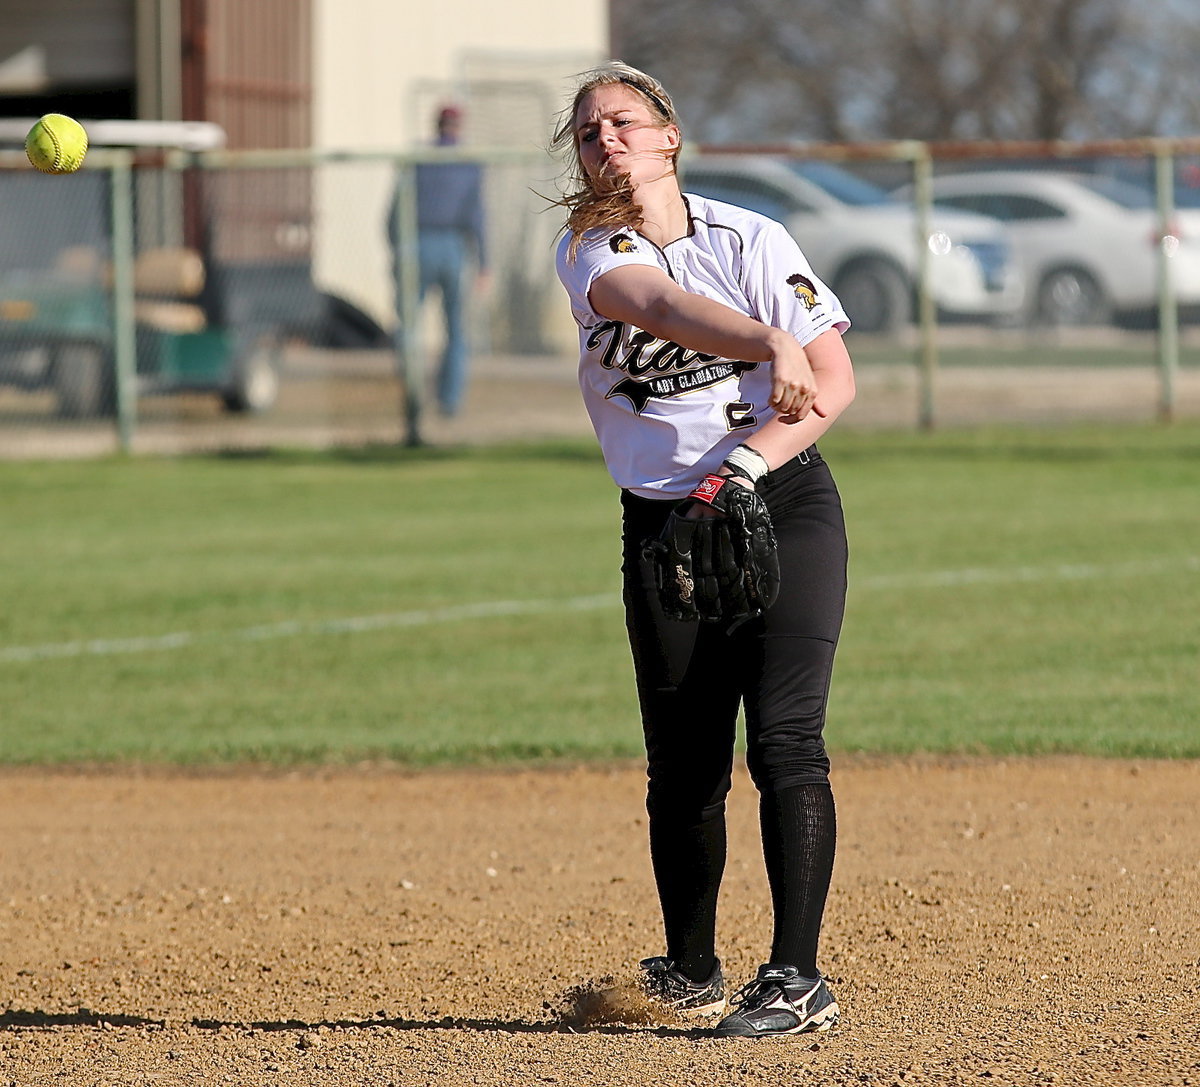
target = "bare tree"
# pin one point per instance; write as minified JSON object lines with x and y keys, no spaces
{"x":924,"y":69}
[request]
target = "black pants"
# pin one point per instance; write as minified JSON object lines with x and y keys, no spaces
{"x":692,"y":678}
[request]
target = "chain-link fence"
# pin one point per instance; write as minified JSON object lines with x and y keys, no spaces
{"x":225,"y":300}
{"x":1026,"y":282}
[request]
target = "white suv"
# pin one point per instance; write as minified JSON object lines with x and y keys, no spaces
{"x":863,"y":243}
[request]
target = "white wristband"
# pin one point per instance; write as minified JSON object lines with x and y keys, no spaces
{"x":748,"y":463}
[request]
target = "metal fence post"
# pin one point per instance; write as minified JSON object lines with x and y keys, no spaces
{"x":124,"y":329}
{"x":1168,"y":307}
{"x":927,"y":353}
{"x":408,"y":302}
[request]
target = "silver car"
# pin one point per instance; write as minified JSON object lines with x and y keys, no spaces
{"x":1088,"y":245}
{"x":863,"y":243}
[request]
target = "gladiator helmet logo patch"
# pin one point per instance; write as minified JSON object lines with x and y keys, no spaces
{"x":622,"y":243}
{"x":805,"y":290}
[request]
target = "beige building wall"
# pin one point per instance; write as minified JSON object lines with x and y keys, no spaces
{"x":372,"y":56}
{"x":381,"y":67}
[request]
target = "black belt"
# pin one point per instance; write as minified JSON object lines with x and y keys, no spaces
{"x":788,"y":468}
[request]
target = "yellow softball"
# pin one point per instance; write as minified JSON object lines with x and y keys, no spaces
{"x":56,"y":144}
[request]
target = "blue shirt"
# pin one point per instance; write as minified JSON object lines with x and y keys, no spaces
{"x":450,"y":197}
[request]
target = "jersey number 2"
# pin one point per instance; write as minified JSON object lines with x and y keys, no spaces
{"x":740,"y":415}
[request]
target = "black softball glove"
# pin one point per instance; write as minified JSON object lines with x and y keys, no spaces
{"x":720,"y":566}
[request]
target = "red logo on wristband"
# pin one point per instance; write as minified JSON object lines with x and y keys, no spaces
{"x":707,"y":489}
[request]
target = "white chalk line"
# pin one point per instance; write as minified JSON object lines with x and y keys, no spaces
{"x":101,"y":647}
{"x":499,"y":609}
{"x":1059,"y":572}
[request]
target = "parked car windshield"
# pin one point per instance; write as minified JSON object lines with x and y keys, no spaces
{"x":1120,"y":192}
{"x":847,"y":187}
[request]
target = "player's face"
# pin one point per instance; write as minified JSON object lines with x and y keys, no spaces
{"x":618,"y":132}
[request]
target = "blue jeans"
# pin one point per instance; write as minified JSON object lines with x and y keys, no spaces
{"x":443,"y":261}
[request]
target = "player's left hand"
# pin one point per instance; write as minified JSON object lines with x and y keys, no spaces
{"x":703,"y":509}
{"x":724,"y":566}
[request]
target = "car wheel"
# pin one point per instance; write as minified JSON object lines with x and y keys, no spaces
{"x":1071,"y":297}
{"x":84,"y":381}
{"x":254,"y":382}
{"x":875,"y":295}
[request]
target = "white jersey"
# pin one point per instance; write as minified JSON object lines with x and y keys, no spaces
{"x":665,"y":415}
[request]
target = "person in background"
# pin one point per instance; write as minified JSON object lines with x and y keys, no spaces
{"x":451,"y":236}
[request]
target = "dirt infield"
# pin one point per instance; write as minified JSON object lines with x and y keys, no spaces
{"x":992,"y":922}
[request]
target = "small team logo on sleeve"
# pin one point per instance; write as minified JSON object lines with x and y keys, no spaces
{"x":622,"y":243}
{"x":805,"y":290}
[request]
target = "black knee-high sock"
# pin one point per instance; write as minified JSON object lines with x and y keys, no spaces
{"x":799,"y":833}
{"x":689,"y":861}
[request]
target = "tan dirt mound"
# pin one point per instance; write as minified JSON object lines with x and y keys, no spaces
{"x":1010,"y":921}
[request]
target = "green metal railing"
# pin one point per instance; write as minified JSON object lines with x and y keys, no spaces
{"x":920,"y":158}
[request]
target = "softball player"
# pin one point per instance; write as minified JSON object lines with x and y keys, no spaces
{"x":707,"y":345}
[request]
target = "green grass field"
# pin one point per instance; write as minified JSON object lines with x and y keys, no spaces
{"x":1013,"y":591}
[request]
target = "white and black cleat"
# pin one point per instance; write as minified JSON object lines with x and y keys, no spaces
{"x":777,"y":1003}
{"x":665,"y":983}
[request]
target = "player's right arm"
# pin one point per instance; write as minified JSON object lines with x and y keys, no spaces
{"x":647,"y":297}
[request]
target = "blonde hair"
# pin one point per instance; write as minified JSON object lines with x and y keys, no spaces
{"x":610,"y":204}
